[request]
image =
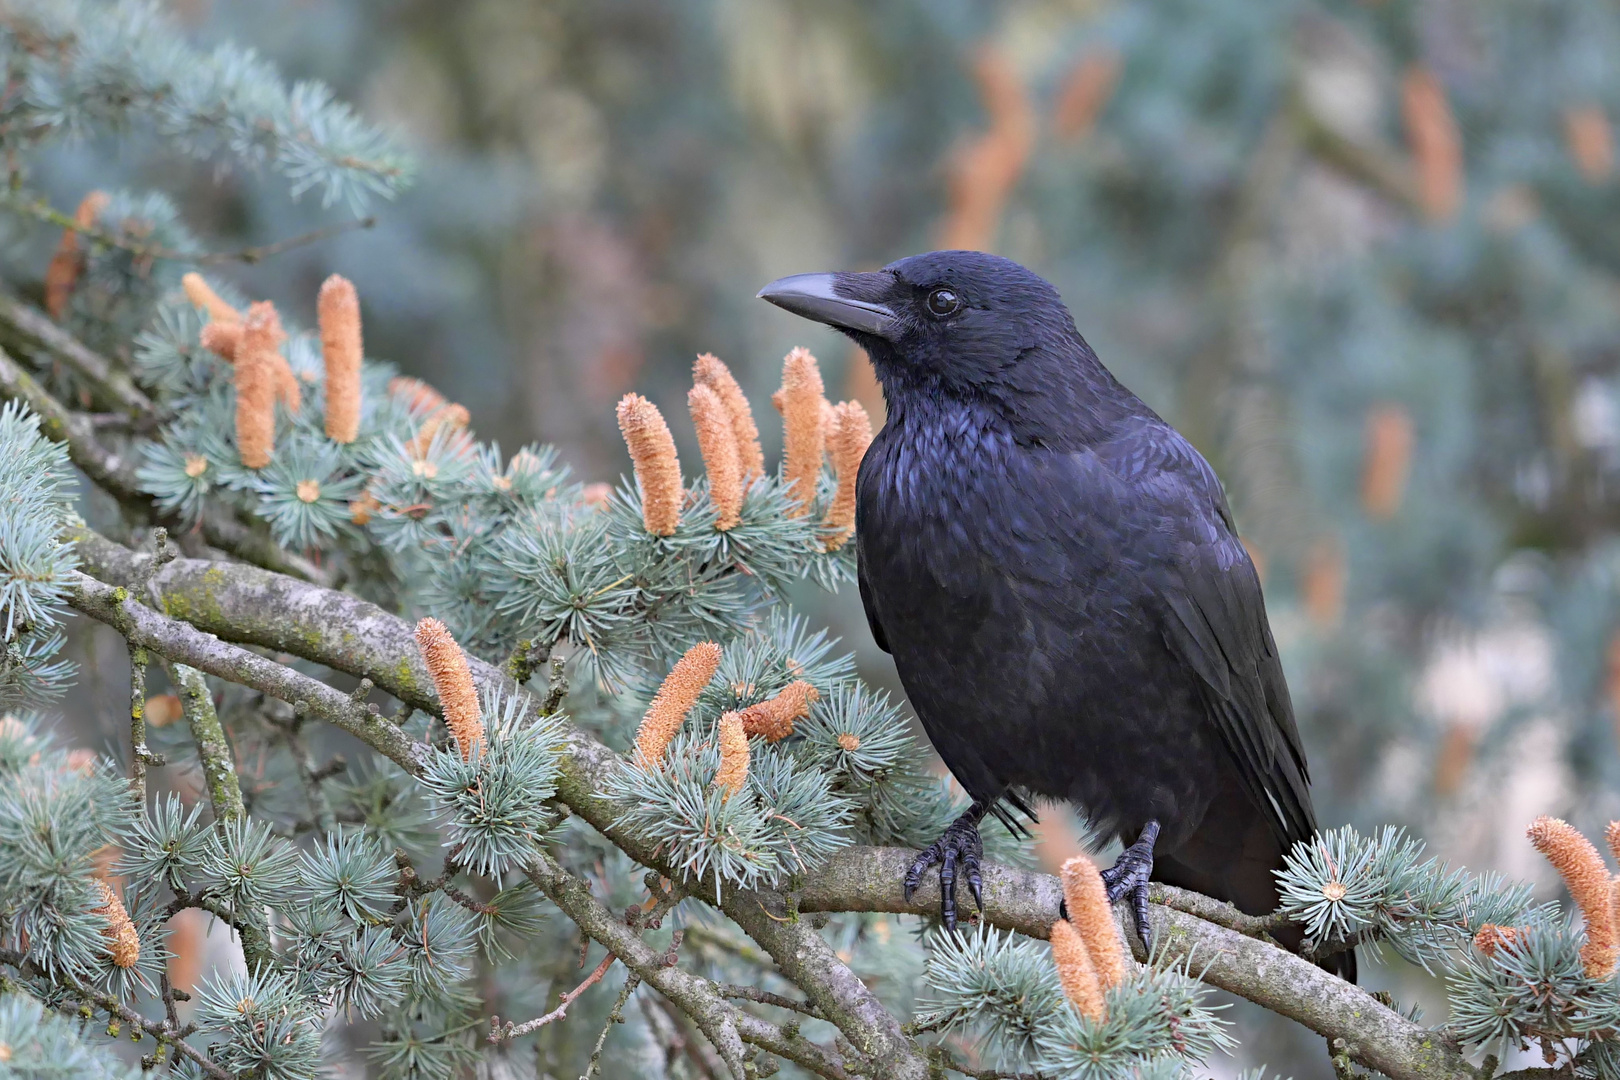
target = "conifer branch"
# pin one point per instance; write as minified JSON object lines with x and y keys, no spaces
{"x":115,"y":474}
{"x":346,"y":633}
{"x":197,"y":704}
{"x":159,"y":1030}
{"x":40,"y":210}
{"x":29,"y":330}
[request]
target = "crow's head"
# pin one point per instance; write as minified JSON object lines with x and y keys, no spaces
{"x":959,"y":323}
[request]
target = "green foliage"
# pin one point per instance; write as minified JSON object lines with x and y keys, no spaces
{"x":1005,"y":990}
{"x":227,"y":103}
{"x":43,"y":1044}
{"x":1341,"y":886}
{"x":495,"y":798}
{"x":36,"y":564}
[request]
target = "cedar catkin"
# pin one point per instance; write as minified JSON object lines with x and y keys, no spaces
{"x":256,"y":358}
{"x":453,"y":680}
{"x":1437,"y":151}
{"x":420,"y":398}
{"x":287,"y":389}
{"x":851,"y":434}
{"x":119,"y":930}
{"x":1085,"y":91}
{"x":1386,"y":460}
{"x":804,"y":432}
{"x":774,"y":718}
{"x":62,"y":274}
{"x":709,"y":371}
{"x":202,"y":295}
{"x":163,"y":710}
{"x":1587,"y":879}
{"x":719,"y":448}
{"x":1076,"y":973}
{"x":448,"y":418}
{"x":1492,"y":938}
{"x":1591,"y":141}
{"x":1093,"y":917}
{"x":338,"y":312}
{"x":222,"y":339}
{"x":675,"y":698}
{"x":733,"y":771}
{"x":658,"y":470}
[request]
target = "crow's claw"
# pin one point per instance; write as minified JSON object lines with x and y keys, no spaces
{"x":960,"y":848}
{"x":1129,"y":877}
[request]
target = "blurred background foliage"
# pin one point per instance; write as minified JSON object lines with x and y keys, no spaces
{"x":1363,"y":253}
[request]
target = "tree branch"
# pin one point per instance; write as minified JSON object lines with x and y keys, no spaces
{"x":185,"y":644}
{"x":115,"y":474}
{"x":160,"y":1031}
{"x":26,"y":328}
{"x":40,"y":210}
{"x":224,"y":789}
{"x":348,"y":634}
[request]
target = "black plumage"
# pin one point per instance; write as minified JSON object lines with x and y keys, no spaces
{"x":1057,"y":576}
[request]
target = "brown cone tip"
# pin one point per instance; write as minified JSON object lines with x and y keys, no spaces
{"x":202,"y":295}
{"x":1493,"y":938}
{"x":718,"y":445}
{"x":1093,"y":918}
{"x":1076,"y":973}
{"x":849,"y":436}
{"x":257,"y":358}
{"x":419,"y":398}
{"x":1587,"y":879}
{"x":453,"y":679}
{"x":118,"y":929}
{"x":804,"y":433}
{"x":710,"y":371}
{"x":338,"y":312}
{"x":658,"y":471}
{"x":774,"y":719}
{"x":733,"y":771}
{"x":675,"y":698}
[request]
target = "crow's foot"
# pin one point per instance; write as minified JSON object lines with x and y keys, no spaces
{"x":1129,"y":877}
{"x":959,"y":847}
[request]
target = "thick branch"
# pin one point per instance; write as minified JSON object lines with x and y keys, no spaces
{"x":224,"y":789}
{"x":351,"y":635}
{"x":185,"y":644}
{"x":867,"y":879}
{"x":29,"y":330}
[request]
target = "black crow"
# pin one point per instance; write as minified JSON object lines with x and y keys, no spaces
{"x":1056,"y":573}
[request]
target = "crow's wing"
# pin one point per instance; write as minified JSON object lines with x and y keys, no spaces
{"x":866,"y":602}
{"x":1214,"y":619}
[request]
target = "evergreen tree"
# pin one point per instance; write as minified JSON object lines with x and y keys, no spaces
{"x":442,"y":736}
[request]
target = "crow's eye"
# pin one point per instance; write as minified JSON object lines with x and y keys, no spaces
{"x":944,"y":302}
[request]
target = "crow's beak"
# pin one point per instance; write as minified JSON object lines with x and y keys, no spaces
{"x":835,"y":299}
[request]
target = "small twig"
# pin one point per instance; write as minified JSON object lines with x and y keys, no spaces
{"x":559,"y":688}
{"x":140,"y":756}
{"x":40,"y":210}
{"x":499,"y":1034}
{"x":765,"y":997}
{"x":160,"y":1031}
{"x":616,"y":1016}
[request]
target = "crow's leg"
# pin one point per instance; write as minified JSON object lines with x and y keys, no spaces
{"x":1129,"y":877}
{"x":960,"y":846}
